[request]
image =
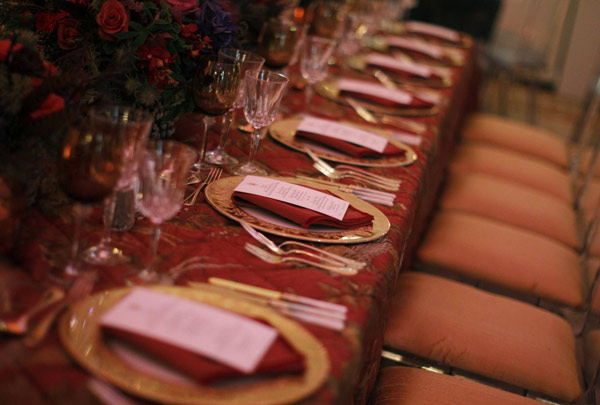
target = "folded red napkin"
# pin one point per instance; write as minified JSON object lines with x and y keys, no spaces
{"x":280,"y":358}
{"x":415,"y":102}
{"x":303,"y":216}
{"x":350,"y":148}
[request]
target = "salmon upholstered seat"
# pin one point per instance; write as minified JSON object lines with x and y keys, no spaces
{"x":503,"y":254}
{"x":410,"y":386}
{"x":516,"y":136}
{"x":511,"y":203}
{"x":511,"y":166}
{"x":483,"y":333}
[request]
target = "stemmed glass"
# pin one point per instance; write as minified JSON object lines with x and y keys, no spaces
{"x":313,"y":64}
{"x":247,"y":61}
{"x":163,"y":171}
{"x":264,"y":91}
{"x":133,"y":127}
{"x":88,"y":169}
{"x":277,"y":42}
{"x":215,"y":88}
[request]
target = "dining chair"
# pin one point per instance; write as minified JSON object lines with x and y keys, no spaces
{"x":530,"y":155}
{"x":401,"y":385}
{"x":528,"y":349}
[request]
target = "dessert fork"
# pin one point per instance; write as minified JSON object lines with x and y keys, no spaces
{"x":214,"y":174}
{"x":363,"y":175}
{"x":320,"y":253}
{"x":274,"y":259}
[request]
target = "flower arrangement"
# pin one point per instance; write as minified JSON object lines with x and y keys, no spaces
{"x":136,"y":52}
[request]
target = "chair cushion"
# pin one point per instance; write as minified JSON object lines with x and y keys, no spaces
{"x":517,"y":136}
{"x":484,"y":333}
{"x":513,"y":203}
{"x":503,"y":254}
{"x":407,"y":385}
{"x":502,"y":163}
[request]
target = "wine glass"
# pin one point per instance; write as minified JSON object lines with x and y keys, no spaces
{"x":264,"y":91}
{"x":163,"y":170}
{"x":328,"y":17}
{"x":277,"y":42}
{"x":215,"y":88}
{"x":133,"y":127}
{"x":88,"y":169}
{"x":247,"y":61}
{"x":313,"y":64}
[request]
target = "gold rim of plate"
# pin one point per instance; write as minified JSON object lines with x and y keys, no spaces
{"x":284,"y":131}
{"x":218,"y":194}
{"x":379,"y":44}
{"x":359,"y":63}
{"x":330,"y":90}
{"x":80,"y":333}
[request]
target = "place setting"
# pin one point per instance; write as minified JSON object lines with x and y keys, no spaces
{"x":377,"y":98}
{"x":431,"y":32}
{"x":402,"y":71}
{"x":418,"y":49}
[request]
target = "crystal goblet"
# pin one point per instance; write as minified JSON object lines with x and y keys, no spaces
{"x":264,"y":91}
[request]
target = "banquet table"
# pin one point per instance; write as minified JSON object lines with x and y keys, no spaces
{"x":48,"y":374}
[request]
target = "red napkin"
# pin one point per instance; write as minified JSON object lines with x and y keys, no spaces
{"x":304,"y":216}
{"x":415,"y":102}
{"x":350,"y":148}
{"x":280,"y":358}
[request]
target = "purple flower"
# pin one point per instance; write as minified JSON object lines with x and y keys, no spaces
{"x":215,"y":22}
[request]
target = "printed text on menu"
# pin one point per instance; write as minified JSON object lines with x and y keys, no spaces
{"x":294,"y":194}
{"x":221,"y":335}
{"x":343,"y":132}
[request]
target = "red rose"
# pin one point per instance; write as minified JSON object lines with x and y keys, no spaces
{"x":179,"y":7}
{"x":5,"y":47}
{"x":68,"y":33}
{"x":51,"y":104}
{"x":45,"y":21}
{"x":111,"y":19}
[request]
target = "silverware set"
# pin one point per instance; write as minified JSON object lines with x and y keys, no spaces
{"x":304,"y":309}
{"x":418,"y":128}
{"x":352,"y":172}
{"x":214,"y":174}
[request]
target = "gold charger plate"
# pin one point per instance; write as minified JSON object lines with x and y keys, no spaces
{"x":454,"y":55}
{"x":359,"y":63}
{"x":329,"y":89}
{"x":218,"y":194}
{"x":80,"y":333}
{"x":284,"y":131}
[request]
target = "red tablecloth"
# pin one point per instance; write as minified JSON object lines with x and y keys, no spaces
{"x":47,"y":374}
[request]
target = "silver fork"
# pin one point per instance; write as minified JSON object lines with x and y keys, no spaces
{"x":274,"y":259}
{"x":401,"y":123}
{"x":385,"y":183}
{"x":214,"y":174}
{"x":320,"y":254}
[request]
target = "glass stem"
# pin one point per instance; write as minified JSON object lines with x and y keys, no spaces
{"x":71,"y":269}
{"x":254,"y":141}
{"x":227,"y":120}
{"x":108,"y":217}
{"x":157,"y":231}
{"x":309,"y":93}
{"x":204,"y":141}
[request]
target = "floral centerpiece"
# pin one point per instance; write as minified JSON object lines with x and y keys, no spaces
{"x":142,"y":51}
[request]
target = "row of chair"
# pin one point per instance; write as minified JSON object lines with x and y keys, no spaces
{"x":505,"y":276}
